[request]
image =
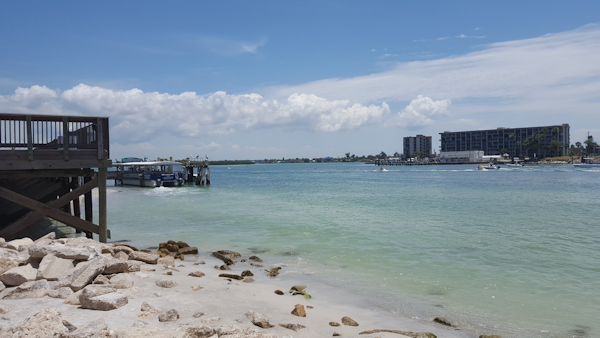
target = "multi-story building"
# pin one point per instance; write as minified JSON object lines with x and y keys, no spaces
{"x":511,"y":140}
{"x":419,"y":143}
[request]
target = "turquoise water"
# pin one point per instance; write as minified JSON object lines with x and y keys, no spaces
{"x":514,"y":251}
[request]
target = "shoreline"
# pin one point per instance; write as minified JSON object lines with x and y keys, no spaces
{"x":228,"y":300}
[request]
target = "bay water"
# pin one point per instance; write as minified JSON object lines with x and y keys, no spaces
{"x":514,"y":251}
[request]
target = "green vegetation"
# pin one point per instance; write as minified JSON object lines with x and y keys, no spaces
{"x":234,"y":162}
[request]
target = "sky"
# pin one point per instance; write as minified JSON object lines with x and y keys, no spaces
{"x":288,"y":79}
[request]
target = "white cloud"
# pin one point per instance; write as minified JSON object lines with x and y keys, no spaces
{"x":137,"y":116}
{"x":385,"y":56}
{"x":228,"y":47}
{"x":421,"y":112}
{"x":373,"y":50}
{"x":235,"y":147}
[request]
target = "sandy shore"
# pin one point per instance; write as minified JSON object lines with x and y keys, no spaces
{"x":229,"y":301}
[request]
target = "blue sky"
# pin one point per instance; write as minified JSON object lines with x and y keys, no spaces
{"x":274,"y":79}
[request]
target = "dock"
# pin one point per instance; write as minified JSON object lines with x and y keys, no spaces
{"x":46,"y":165}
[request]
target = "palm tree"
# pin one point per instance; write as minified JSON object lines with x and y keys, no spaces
{"x":513,"y":136}
{"x":578,"y":145}
{"x":539,"y":138}
{"x":590,"y":145}
{"x":555,"y":144}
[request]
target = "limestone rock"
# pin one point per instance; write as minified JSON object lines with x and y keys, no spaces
{"x":144,"y":257}
{"x":199,"y":262}
{"x":199,"y":331}
{"x":122,"y":248}
{"x":182,"y":244}
{"x":44,"y":239}
{"x":197,"y":274}
{"x":294,"y":327}
{"x":274,"y":272}
{"x":18,"y":275}
{"x":222,"y":257}
{"x":442,"y":321}
{"x":188,"y":251}
{"x":489,"y":336}
{"x":134,"y":266}
{"x":279,"y":292}
{"x":4,"y":310}
{"x":169,"y":316}
{"x":197,"y":287}
{"x":198,"y":314}
{"x":167,"y":261}
{"x":122,"y":281}
{"x":211,"y":320}
{"x":334,"y":324}
{"x":115,"y":266}
{"x":105,"y":302}
{"x":37,"y":289}
{"x":149,"y":308}
{"x":10,"y":259}
{"x":349,"y":321}
{"x":166,"y":283}
{"x":259,"y":320}
{"x":405,"y":333}
{"x":52,"y":267}
{"x":18,"y":244}
{"x":91,"y":271}
{"x":69,"y":326}
{"x":2,"y":287}
{"x":121,"y":255}
{"x":224,"y":267}
{"x":73,"y":299}
{"x":101,"y":279}
{"x":45,"y":323}
{"x":62,"y":293}
{"x":299,"y":311}
{"x":335,"y":334}
{"x":95,"y":329}
{"x":298,"y":288}
{"x":61,"y":251}
{"x":248,"y":280}
{"x":228,"y":275}
{"x":255,"y":259}
{"x":247,"y":273}
{"x":92,"y":291}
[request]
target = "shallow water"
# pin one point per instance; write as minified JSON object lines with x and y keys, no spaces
{"x":514,"y":251}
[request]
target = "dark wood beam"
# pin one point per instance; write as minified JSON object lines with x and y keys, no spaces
{"x":45,"y":173}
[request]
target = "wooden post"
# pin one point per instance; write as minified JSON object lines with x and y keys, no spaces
{"x":87,"y":201}
{"x":102,"y":205}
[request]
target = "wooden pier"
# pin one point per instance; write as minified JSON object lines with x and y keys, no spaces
{"x":46,"y":165}
{"x":203,"y":172}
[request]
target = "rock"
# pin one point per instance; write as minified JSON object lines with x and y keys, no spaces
{"x":168,"y":273}
{"x":166,"y":283}
{"x":255,"y":259}
{"x":167,"y":261}
{"x":10,"y":259}
{"x":62,"y":251}
{"x":144,"y":257}
{"x":294,"y":327}
{"x":122,"y":248}
{"x":335,"y":334}
{"x":91,"y":271}
{"x":18,"y":244}
{"x":106,"y":302}
{"x":224,"y":267}
{"x":199,"y":331}
{"x":2,"y":287}
{"x":73,"y":299}
{"x":197,"y":274}
{"x":405,"y":333}
{"x":101,"y":279}
{"x":274,"y":272}
{"x":169,"y":316}
{"x":134,"y":266}
{"x":246,"y":273}
{"x":279,"y":292}
{"x":197,"y":287}
{"x":309,"y":307}
{"x":52,"y":267}
{"x":259,"y":320}
{"x":489,"y":336}
{"x":299,"y":310}
{"x":182,"y":244}
{"x":4,"y":310}
{"x":188,"y":251}
{"x":256,"y":265}
{"x":442,"y":321}
{"x":69,"y":326}
{"x":62,"y":293}
{"x":37,"y":289}
{"x":49,"y":236}
{"x":199,"y":262}
{"x":121,"y":255}
{"x":228,"y":275}
{"x":248,"y":280}
{"x":115,"y":266}
{"x":45,"y":323}
{"x":334,"y":324}
{"x":122,"y":281}
{"x":93,"y":290}
{"x":211,"y":320}
{"x":18,"y":275}
{"x":349,"y":321}
{"x":225,"y":259}
{"x":172,"y":247}
{"x":95,"y":329}
{"x":149,"y":308}
{"x":198,"y":314}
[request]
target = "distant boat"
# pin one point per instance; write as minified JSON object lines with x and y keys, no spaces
{"x":588,"y":162}
{"x":382,"y":169}
{"x":490,"y":166}
{"x":150,"y":174}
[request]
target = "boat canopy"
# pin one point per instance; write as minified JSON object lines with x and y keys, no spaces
{"x":146,"y":164}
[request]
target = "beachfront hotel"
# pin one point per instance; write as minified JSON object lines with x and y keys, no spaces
{"x":419,"y":143}
{"x":492,"y":141}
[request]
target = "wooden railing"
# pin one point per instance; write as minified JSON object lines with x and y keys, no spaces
{"x":54,"y":132}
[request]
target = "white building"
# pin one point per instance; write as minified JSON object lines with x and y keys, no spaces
{"x":461,"y":156}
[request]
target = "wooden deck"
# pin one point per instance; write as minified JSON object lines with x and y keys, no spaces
{"x":46,"y":164}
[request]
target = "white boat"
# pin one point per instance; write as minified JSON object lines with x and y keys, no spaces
{"x":150,"y":174}
{"x":588,"y":162}
{"x":490,"y":166}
